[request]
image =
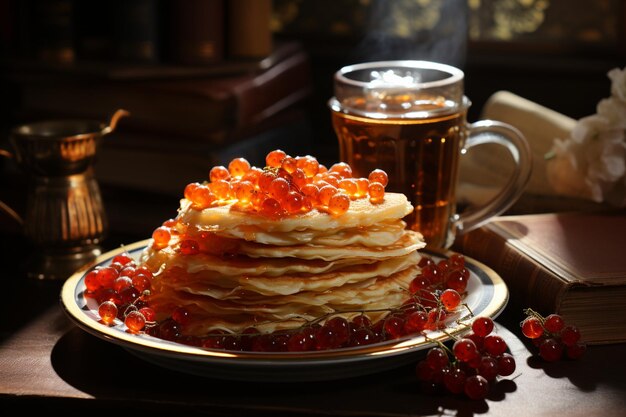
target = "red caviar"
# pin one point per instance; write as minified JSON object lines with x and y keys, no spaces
{"x":286,"y":186}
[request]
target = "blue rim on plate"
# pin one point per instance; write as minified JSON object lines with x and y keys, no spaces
{"x":487,"y":295}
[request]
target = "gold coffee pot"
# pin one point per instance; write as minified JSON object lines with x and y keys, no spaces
{"x":65,"y":219}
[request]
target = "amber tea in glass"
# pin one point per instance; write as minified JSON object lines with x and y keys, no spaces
{"x":409,"y":119}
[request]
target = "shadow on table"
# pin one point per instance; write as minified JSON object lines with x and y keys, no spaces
{"x":115,"y":377}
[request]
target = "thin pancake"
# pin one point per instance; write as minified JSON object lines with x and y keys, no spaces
{"x":362,"y":213}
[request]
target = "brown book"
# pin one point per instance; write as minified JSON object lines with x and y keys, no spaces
{"x":52,"y":24}
{"x":249,"y":34}
{"x":195,"y":31}
{"x":209,"y":108}
{"x":569,"y":263}
{"x":135,"y":29}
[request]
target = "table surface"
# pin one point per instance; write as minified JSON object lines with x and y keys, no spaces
{"x":47,"y":363}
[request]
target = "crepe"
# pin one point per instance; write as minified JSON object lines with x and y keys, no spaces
{"x":362,"y":213}
{"x":247,"y":269}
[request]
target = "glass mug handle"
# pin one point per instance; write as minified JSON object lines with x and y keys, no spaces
{"x":490,"y":131}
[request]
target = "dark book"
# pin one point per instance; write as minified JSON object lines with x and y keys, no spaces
{"x":93,"y":29}
{"x":51,"y":27}
{"x":194,"y":31}
{"x":8,"y":31}
{"x":570,"y":263}
{"x":135,"y":26}
{"x":209,"y":108}
{"x":249,"y":33}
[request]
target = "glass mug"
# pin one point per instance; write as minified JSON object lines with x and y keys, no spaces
{"x":409,"y":118}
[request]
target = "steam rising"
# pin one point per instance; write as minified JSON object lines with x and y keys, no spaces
{"x":432,"y":30}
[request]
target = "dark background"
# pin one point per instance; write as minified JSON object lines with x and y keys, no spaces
{"x":565,"y":72}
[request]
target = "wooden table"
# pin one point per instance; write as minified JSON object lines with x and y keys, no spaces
{"x":47,"y":364}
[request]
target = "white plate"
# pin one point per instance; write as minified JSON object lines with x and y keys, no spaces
{"x":487,"y":295}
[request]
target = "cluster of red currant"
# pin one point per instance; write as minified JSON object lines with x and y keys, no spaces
{"x":552,"y":336}
{"x":474,"y":361}
{"x":119,"y":288}
{"x":122,"y":290}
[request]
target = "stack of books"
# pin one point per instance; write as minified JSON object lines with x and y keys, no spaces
{"x":181,"y":123}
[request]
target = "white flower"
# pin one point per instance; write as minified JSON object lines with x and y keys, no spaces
{"x":613,"y":110}
{"x":564,"y":172}
{"x":618,"y":83}
{"x":591,"y":163}
{"x":589,"y":128}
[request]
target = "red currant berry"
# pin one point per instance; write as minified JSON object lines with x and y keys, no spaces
{"x":394,"y":327}
{"x":437,"y":358}
{"x":479,"y":341}
{"x":91,"y":281}
{"x":129,"y":294}
{"x":432,"y":273}
{"x":169,"y":329}
{"x":436,"y":319}
{"x":476,"y":387}
{"x":450,"y":299}
{"x":454,"y":381}
{"x":551,"y":350}
{"x":362,"y":336}
{"x":181,"y":315}
{"x":141,"y":282}
{"x":464,"y":350}
{"x":426,"y":298}
{"x":506,"y":364}
{"x":135,"y":321}
{"x":106,"y":276}
{"x":148,"y":313}
{"x":494,"y":345}
{"x":570,"y":335}
{"x":214,"y":341}
{"x":482,"y":326}
{"x":108,"y":312}
{"x":361,"y":321}
{"x":340,"y":328}
{"x":420,"y":282}
{"x":415,"y":322}
{"x":488,"y":367}
{"x":457,"y":260}
{"x":575,"y":351}
{"x":424,"y":261}
{"x":325,"y":338}
{"x":457,"y":279}
{"x":554,"y":323}
{"x":121,"y":283}
{"x":532,"y":328}
{"x":122,"y":258}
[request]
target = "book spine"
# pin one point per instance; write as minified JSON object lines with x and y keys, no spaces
{"x":195,"y":31}
{"x":285,"y":85}
{"x":249,"y":31}
{"x":136,"y":30}
{"x":53,"y":31}
{"x":530,"y":284}
{"x":93,"y":30}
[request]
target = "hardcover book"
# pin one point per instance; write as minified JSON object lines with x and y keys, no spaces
{"x":207,"y":107}
{"x":195,"y":31}
{"x":571,"y":263}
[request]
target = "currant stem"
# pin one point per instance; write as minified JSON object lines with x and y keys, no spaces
{"x":532,"y":313}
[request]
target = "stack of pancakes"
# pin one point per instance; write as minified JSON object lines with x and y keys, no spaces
{"x":274,"y":274}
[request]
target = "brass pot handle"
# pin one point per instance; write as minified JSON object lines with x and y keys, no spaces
{"x":114,"y":119}
{"x":3,"y":207}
